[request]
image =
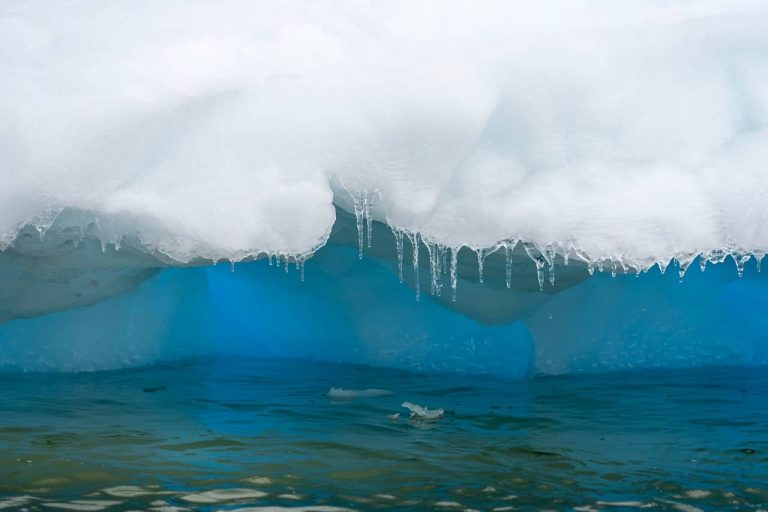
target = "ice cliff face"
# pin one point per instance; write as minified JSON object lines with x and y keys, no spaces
{"x":520,"y":148}
{"x":68,"y":306}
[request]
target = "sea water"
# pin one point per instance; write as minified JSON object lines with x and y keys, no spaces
{"x":229,"y":434}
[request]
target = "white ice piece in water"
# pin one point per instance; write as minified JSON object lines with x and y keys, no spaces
{"x":423,"y":413}
{"x":220,"y":495}
{"x":358,"y":393}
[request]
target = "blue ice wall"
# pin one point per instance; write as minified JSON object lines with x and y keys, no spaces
{"x":347,"y":310}
{"x":655,"y":321}
{"x":356,"y":311}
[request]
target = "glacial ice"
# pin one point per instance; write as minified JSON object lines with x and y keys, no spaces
{"x":507,"y":153}
{"x":358,"y":311}
{"x":628,"y":134}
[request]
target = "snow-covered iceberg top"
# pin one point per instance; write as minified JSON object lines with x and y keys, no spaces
{"x":634,"y":131}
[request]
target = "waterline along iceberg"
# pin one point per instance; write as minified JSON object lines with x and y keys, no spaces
{"x":500,"y":164}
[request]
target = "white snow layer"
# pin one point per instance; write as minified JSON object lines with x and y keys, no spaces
{"x":633,"y":130}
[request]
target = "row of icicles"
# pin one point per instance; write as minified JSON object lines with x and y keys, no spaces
{"x":443,"y":259}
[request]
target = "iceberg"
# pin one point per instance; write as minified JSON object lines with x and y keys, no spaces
{"x":504,"y":173}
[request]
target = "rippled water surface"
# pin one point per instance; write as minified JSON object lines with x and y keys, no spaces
{"x":263,"y":434}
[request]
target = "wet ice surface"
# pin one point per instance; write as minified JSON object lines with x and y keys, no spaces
{"x":262,"y":435}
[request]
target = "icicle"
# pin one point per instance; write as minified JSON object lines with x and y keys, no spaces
{"x":301,"y":269}
{"x":567,"y":254}
{"x":508,"y":253}
{"x":540,"y":272}
{"x":758,"y":259}
{"x":550,"y":253}
{"x":232,"y":265}
{"x":435,"y":263}
{"x":439,"y":259}
{"x":590,"y":267}
{"x":454,"y":261}
{"x":399,"y":246}
{"x":368,"y":212}
{"x":431,"y":258}
{"x":662,"y":266}
{"x":535,"y":255}
{"x":740,"y":260}
{"x":285,"y":263}
{"x":480,"y":261}
{"x":702,"y":262}
{"x":358,"y":204}
{"x":414,"y":239}
{"x":683,"y":262}
{"x":614,"y":266}
{"x":444,"y":262}
{"x":362,"y":203}
{"x":44,"y":223}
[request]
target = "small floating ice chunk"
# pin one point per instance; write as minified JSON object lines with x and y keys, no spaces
{"x":393,"y":417}
{"x":162,"y":506}
{"x":625,"y":504}
{"x":258,"y":480}
{"x":358,"y":393}
{"x":449,"y":504}
{"x":423,"y":413}
{"x":83,"y":505}
{"x":15,"y":502}
{"x":130,"y":491}
{"x":218,"y":495}
{"x":682,"y":507}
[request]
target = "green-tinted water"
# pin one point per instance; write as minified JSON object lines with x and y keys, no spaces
{"x":232,"y":434}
